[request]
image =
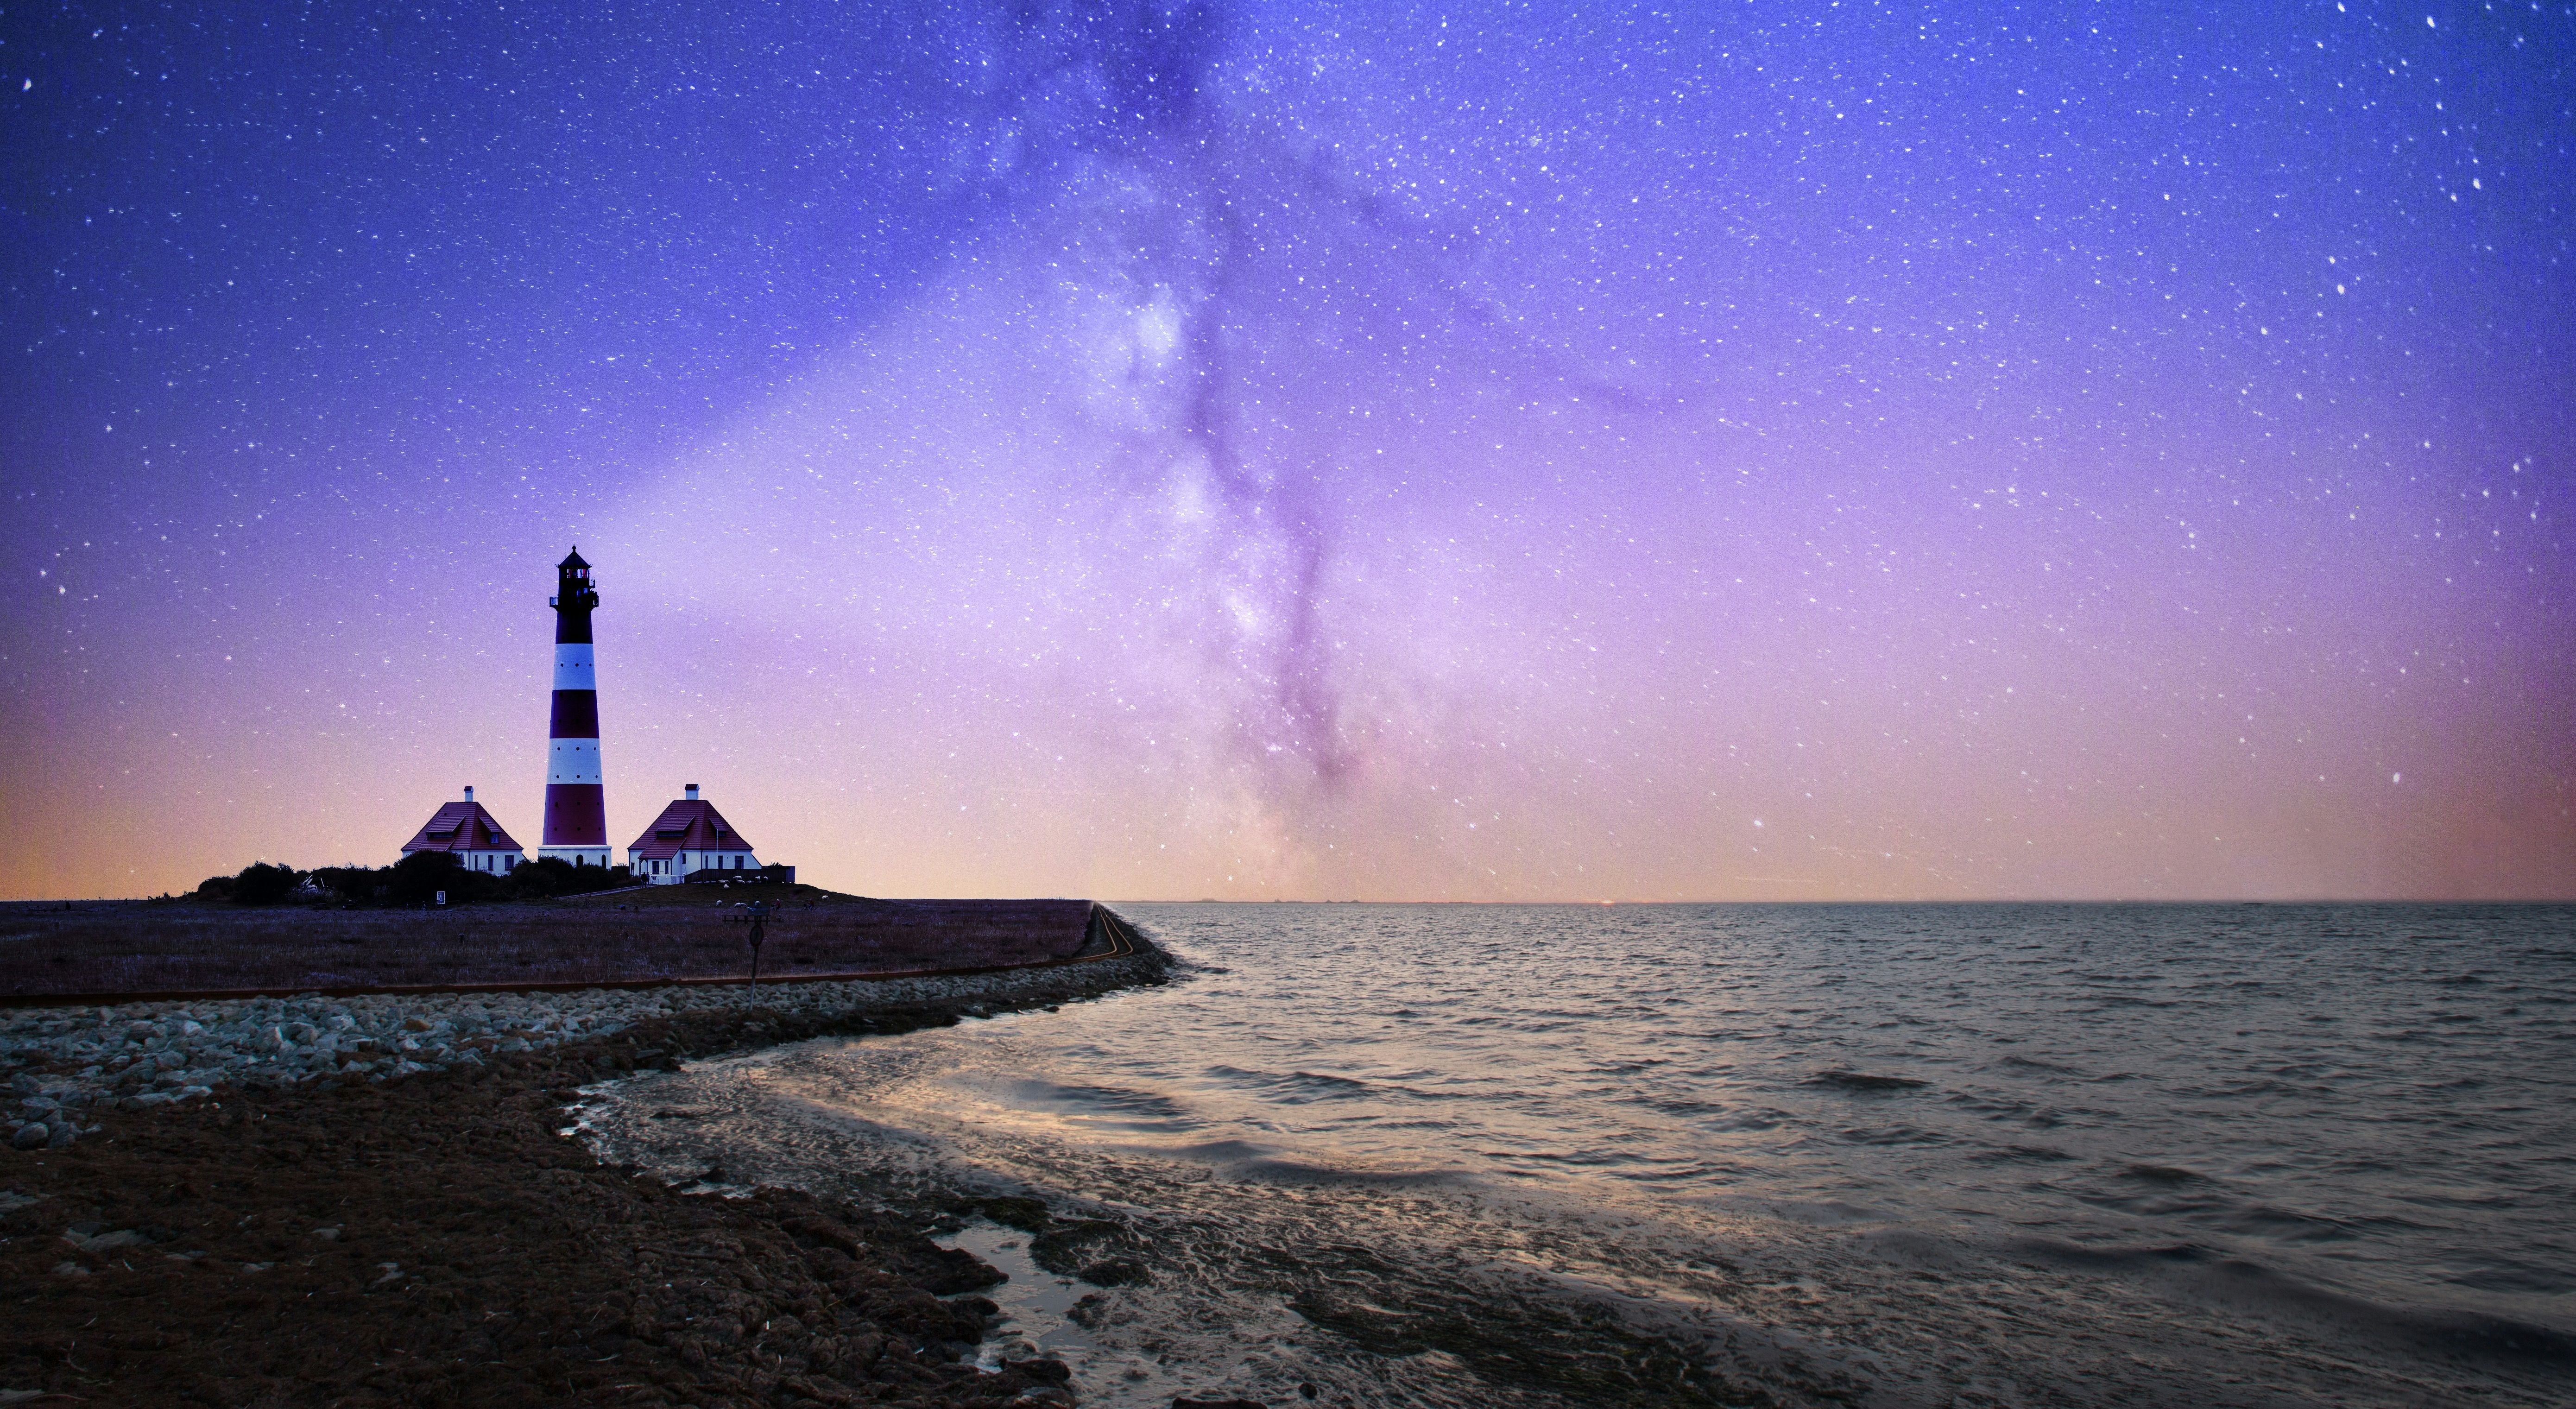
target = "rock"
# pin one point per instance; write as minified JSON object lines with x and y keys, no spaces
{"x":1115,"y":1272}
{"x":1218,"y":1404}
{"x":60,"y":1137}
{"x":30,"y":1136}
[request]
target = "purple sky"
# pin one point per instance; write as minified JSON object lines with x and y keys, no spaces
{"x":1765,"y":451}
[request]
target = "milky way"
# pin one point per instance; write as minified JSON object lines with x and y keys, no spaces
{"x":1510,"y":452}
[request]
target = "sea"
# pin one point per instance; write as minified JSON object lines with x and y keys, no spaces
{"x":1466,"y":1155}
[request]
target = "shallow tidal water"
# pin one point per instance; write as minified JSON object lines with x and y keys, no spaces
{"x":1465,"y":1155}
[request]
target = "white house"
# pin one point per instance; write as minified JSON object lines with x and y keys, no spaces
{"x":472,"y":834}
{"x":689,"y":836}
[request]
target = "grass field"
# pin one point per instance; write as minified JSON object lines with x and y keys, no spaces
{"x":53,"y":948}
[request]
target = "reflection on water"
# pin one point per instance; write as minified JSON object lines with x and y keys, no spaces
{"x":1467,"y":1155}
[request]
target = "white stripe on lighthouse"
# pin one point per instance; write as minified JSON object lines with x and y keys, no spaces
{"x":572,"y":760}
{"x":573,"y":667}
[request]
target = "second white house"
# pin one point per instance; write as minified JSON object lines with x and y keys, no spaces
{"x":689,"y":836}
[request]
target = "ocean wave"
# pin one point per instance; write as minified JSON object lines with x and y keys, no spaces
{"x":2245,"y":1284}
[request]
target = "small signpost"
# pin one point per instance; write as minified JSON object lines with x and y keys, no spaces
{"x":759,"y":928}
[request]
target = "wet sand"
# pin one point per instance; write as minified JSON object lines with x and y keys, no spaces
{"x":441,"y":1238}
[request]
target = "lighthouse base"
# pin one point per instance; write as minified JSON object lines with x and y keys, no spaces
{"x":575,"y":855}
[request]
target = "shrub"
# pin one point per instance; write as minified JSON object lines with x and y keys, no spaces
{"x":262,"y":884}
{"x":418,"y":878}
{"x":552,"y":875}
{"x":356,"y":885}
{"x":415,"y":880}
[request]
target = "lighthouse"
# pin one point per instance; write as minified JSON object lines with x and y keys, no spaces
{"x":576,"y":815}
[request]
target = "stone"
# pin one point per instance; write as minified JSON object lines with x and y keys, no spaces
{"x":30,"y":1136}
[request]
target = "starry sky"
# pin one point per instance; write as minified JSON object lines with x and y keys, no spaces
{"x":1510,"y":452}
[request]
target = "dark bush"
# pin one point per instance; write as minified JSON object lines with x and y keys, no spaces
{"x":262,"y":884}
{"x":418,"y":878}
{"x":552,"y":875}
{"x":356,"y":885}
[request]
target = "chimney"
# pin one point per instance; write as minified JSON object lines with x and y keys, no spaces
{"x":693,"y":792}
{"x":469,"y":792}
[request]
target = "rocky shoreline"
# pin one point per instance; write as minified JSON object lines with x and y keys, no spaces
{"x":336,"y":1217}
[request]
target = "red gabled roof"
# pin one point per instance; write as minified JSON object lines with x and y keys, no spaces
{"x":462,"y":826}
{"x":687,"y":825}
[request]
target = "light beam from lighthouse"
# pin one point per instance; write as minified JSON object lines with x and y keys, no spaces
{"x":576,"y":810}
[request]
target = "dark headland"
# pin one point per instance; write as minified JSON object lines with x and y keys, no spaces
{"x":357,"y":1187}
{"x":110,"y":951}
